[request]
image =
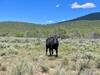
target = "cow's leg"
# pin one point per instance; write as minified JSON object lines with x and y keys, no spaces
{"x":46,"y":50}
{"x":56,"y":52}
{"x":50,"y":51}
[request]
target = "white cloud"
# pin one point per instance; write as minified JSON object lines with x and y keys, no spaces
{"x":63,"y":20}
{"x":76,"y":5}
{"x":50,"y":21}
{"x":57,"y":5}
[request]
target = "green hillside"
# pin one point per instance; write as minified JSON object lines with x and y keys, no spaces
{"x":83,"y":27}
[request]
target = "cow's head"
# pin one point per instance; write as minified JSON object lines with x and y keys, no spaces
{"x":57,"y":36}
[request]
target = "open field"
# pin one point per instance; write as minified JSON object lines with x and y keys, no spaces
{"x":26,"y":56}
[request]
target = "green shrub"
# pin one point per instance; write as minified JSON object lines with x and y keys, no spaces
{"x":19,"y":34}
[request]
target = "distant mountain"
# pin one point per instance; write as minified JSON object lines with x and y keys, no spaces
{"x":92,"y":16}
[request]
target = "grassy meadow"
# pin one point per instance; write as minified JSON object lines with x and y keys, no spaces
{"x":26,"y":56}
{"x":71,"y":29}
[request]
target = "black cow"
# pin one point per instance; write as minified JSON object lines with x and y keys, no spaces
{"x":51,"y":44}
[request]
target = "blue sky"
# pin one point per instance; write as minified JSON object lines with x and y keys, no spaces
{"x":46,"y":11}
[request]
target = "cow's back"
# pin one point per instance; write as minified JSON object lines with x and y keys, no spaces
{"x":52,"y":42}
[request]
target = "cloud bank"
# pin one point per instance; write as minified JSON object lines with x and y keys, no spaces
{"x":76,"y":5}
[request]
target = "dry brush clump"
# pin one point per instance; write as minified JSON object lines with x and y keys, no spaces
{"x":3,"y":67}
{"x":8,"y":51}
{"x":23,"y":68}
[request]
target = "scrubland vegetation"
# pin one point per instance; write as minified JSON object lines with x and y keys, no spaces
{"x":72,"y":29}
{"x":22,"y":47}
{"x":26,"y":56}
